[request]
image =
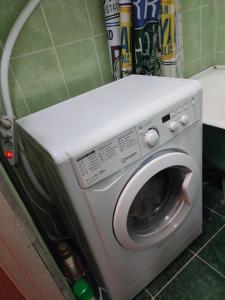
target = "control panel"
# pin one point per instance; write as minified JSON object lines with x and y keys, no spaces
{"x":122,"y":150}
{"x":163,"y":127}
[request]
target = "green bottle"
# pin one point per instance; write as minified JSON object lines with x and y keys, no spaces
{"x":82,"y":290}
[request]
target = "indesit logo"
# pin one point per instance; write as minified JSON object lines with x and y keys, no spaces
{"x":124,"y":159}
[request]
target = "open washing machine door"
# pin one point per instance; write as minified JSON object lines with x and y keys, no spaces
{"x":156,"y":200}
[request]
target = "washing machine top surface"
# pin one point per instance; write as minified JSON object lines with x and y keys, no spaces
{"x":72,"y":127}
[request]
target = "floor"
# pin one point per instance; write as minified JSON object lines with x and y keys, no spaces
{"x":199,"y":272}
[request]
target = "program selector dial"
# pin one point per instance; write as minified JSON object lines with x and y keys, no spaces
{"x":152,"y":137}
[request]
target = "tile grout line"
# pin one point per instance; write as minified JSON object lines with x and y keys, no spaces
{"x":196,"y":60}
{"x":20,"y":89}
{"x":200,"y":40}
{"x":57,"y":46}
{"x":99,"y":34}
{"x":215,"y":27}
{"x":190,"y":260}
{"x":171,"y":279}
{"x":204,"y":261}
{"x":212,"y":237}
{"x":54,"y":49}
{"x":73,"y":42}
{"x":195,"y":8}
{"x":220,"y":52}
{"x":211,"y":267}
{"x":147,"y":291}
{"x":94,"y":43}
{"x":214,"y":211}
{"x":30,"y":53}
{"x":18,"y":86}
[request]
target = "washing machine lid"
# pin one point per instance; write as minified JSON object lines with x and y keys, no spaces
{"x":156,"y":200}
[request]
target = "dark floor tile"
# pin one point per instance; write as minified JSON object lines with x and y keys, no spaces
{"x":169,"y":272}
{"x":211,"y":224}
{"x":143,"y":296}
{"x":214,"y":253}
{"x":212,"y":197}
{"x":196,"y":282}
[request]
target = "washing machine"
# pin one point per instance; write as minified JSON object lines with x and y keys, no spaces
{"x":123,"y":165}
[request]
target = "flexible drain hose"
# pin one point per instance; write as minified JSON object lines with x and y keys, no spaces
{"x":7,"y":103}
{"x":7,"y":51}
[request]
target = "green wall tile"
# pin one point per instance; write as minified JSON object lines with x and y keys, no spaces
{"x":68,"y":22}
{"x":192,"y":68}
{"x":207,"y":61}
{"x":20,"y":107}
{"x":206,"y":2}
{"x":40,"y":79}
{"x":103,"y":54}
{"x":67,"y":19}
{"x":221,"y":28}
{"x":207,"y":30}
{"x":34,"y":35}
{"x":190,"y":4}
{"x":9,"y":11}
{"x":80,"y":66}
{"x":220,"y":58}
{"x":191,"y":35}
{"x":1,"y":105}
{"x":96,"y":11}
{"x":220,"y":34}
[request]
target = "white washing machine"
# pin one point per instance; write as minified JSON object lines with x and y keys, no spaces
{"x":123,"y":163}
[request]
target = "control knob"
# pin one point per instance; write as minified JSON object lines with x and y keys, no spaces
{"x":173,"y":125}
{"x":152,"y":137}
{"x":184,"y":119}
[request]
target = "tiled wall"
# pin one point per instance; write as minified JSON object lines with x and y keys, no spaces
{"x":198,"y":35}
{"x":220,"y":32}
{"x":62,"y":50}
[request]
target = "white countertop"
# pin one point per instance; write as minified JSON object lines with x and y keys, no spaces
{"x":213,"y":84}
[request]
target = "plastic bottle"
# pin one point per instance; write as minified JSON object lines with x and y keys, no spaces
{"x":82,"y":290}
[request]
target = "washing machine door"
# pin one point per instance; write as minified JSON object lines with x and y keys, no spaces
{"x":156,"y":200}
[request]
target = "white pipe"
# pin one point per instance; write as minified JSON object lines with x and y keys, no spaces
{"x":7,"y":51}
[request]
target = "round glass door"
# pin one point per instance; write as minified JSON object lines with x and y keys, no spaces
{"x":156,"y":200}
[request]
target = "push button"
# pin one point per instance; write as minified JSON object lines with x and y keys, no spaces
{"x":184,"y":119}
{"x":173,"y":126}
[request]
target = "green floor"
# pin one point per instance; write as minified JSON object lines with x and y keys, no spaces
{"x":199,"y":272}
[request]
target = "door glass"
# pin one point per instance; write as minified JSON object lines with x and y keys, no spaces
{"x":157,"y":201}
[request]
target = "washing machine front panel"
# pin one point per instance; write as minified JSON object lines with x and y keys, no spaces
{"x":156,"y":200}
{"x":131,"y":145}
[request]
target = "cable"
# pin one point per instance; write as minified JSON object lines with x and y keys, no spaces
{"x":35,"y":204}
{"x":32,"y":177}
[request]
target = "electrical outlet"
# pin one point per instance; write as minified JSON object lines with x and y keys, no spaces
{"x":8,"y":139}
